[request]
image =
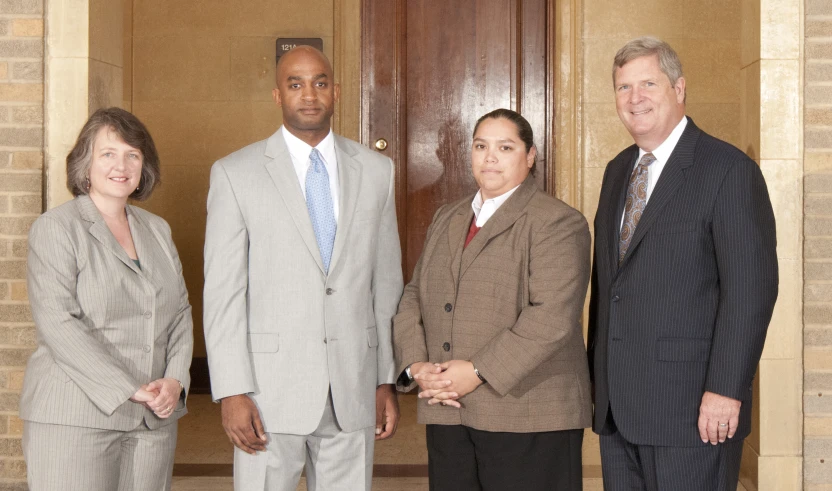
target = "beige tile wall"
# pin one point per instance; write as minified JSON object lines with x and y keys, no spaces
{"x":710,"y":58}
{"x":86,"y":72}
{"x":202,"y":72}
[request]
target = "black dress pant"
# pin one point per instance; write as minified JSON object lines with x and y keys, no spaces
{"x":464,"y":459}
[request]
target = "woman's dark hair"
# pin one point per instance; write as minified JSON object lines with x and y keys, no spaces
{"x":132,"y":131}
{"x":524,"y":129}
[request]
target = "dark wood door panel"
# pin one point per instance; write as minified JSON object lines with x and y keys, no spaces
{"x":431,"y":69}
{"x":459,"y":66}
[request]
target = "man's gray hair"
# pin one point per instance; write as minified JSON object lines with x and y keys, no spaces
{"x":647,"y":46}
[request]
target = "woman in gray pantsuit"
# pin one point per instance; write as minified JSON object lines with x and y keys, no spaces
{"x":107,"y":382}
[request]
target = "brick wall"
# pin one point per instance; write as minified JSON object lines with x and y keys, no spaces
{"x":817,"y":183}
{"x":21,"y":198}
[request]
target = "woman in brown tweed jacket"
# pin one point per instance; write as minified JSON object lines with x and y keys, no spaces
{"x":490,"y":326}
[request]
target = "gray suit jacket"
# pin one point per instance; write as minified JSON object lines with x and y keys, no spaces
{"x":276,"y":326}
{"x":105,"y":326}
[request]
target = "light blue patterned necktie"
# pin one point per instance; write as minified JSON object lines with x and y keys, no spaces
{"x":319,"y":203}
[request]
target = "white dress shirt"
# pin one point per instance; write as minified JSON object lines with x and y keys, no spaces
{"x":483,"y":210}
{"x":662,"y":154}
{"x":299,"y":150}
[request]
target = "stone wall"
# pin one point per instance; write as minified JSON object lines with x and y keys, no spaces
{"x":817,"y":186}
{"x":21,"y":201}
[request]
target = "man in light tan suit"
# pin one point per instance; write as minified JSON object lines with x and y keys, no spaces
{"x":302,"y":278}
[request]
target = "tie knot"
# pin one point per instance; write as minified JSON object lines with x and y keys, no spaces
{"x":647,"y":159}
{"x":316,"y":159}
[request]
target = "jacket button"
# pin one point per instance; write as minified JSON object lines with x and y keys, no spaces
{"x":448,"y":307}
{"x":324,"y":340}
{"x":446,"y":346}
{"x":329,"y":291}
{"x":616,"y":298}
{"x":146,"y":348}
{"x":148,"y":315}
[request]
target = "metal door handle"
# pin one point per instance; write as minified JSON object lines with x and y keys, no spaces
{"x":381,"y":144}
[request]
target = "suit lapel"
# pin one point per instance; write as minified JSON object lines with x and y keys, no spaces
{"x":143,"y":240}
{"x":503,"y":219}
{"x":285,"y":179}
{"x":101,"y":232}
{"x":457,"y":233}
{"x":151,"y":251}
{"x":349,"y":182}
{"x":672,"y":177}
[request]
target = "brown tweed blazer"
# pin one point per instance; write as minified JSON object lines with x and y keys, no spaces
{"x":511,"y":303}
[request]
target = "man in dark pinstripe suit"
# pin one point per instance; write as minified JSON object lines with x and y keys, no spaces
{"x":683,"y":287}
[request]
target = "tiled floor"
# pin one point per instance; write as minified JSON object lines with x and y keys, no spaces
{"x":203,"y":446}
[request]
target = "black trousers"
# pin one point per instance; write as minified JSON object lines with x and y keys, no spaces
{"x":630,"y":467}
{"x":464,"y":459}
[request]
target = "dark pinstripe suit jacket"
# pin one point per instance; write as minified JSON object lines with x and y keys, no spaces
{"x":688,"y":308}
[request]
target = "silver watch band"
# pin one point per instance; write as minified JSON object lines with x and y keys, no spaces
{"x":482,"y":379}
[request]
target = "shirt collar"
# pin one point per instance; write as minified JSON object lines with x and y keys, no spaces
{"x":663,"y":151}
{"x":300,"y":150}
{"x":478,"y":202}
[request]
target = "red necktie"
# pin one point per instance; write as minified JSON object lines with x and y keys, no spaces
{"x":472,"y":231}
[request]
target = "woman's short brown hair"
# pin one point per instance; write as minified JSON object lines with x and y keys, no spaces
{"x":132,"y":131}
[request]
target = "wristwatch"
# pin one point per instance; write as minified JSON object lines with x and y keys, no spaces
{"x":405,"y":378}
{"x":482,"y":379}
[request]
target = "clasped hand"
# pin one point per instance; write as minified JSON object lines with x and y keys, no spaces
{"x":445,"y":383}
{"x":160,"y":396}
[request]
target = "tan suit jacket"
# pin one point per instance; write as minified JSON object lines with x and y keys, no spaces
{"x":277,"y":326}
{"x":511,"y":303}
{"x":105,"y":326}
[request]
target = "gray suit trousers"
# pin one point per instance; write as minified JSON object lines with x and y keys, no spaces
{"x":334,"y":459}
{"x":72,"y":458}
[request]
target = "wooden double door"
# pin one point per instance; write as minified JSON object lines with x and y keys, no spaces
{"x":430,"y":69}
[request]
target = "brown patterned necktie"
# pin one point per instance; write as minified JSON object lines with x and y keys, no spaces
{"x":636,"y":201}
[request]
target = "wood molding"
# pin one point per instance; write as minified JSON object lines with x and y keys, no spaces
{"x":567,"y":72}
